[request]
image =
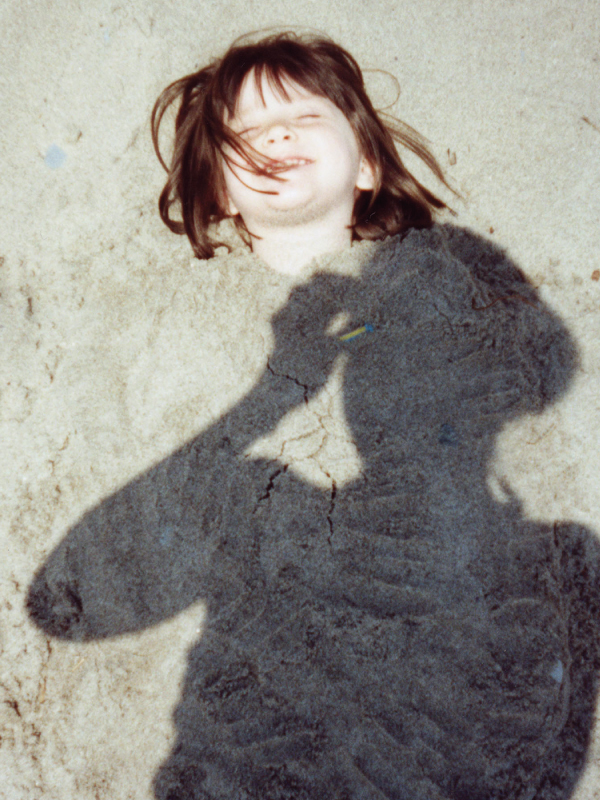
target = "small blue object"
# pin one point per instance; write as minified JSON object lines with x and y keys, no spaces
{"x":448,"y":435}
{"x":367,"y":328}
{"x":166,"y":535}
{"x":557,"y":671}
{"x":55,"y":157}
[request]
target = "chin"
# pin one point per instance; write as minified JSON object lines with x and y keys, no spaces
{"x":296,"y":215}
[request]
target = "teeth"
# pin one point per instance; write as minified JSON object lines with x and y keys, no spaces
{"x":288,"y":162}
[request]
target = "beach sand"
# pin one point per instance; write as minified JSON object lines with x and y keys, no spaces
{"x":210,"y":559}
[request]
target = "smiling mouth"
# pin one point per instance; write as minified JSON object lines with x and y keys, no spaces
{"x":284,"y":164}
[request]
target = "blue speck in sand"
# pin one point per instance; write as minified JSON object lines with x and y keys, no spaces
{"x":107,"y":36}
{"x":557,"y":671}
{"x":448,"y":435}
{"x":55,"y":157}
{"x":166,"y":535}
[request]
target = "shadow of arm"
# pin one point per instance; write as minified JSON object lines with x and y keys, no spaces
{"x":183,"y":531}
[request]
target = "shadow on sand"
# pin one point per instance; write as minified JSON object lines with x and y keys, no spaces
{"x":407,"y":635}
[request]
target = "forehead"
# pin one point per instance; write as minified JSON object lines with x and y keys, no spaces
{"x":265,"y":91}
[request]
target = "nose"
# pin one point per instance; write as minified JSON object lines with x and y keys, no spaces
{"x":279,"y":133}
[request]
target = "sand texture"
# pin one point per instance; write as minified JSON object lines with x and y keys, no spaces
{"x":244,"y":558}
{"x":402,"y":634}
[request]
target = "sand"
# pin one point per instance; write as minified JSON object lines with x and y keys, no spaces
{"x":260,"y":564}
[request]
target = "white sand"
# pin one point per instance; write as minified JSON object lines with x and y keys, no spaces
{"x":101,"y":377}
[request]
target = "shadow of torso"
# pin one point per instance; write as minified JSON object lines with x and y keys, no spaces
{"x":406,"y":635}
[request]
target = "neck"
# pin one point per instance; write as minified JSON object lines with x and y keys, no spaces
{"x":289,"y":249}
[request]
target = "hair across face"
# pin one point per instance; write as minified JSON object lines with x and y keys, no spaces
{"x":205,"y":139}
{"x":314,"y":168}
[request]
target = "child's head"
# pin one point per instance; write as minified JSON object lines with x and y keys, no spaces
{"x":302,"y":167}
{"x":309,"y":93}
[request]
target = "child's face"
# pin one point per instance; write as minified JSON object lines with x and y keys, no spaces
{"x":312,"y":146}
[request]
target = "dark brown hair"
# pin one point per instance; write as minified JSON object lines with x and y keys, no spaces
{"x":208,"y":98}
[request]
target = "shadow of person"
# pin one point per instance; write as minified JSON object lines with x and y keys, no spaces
{"x":406,"y":635}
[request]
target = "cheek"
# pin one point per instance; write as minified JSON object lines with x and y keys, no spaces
{"x":345,"y":154}
{"x":230,"y":191}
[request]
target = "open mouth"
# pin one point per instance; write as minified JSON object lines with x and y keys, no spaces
{"x":282,"y":165}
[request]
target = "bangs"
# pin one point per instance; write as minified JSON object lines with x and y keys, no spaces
{"x":316,"y":70}
{"x":274,"y":76}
